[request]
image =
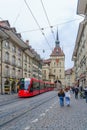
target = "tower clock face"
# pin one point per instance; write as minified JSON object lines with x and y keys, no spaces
{"x":57,"y":60}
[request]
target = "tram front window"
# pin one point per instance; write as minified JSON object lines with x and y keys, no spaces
{"x":24,"y":84}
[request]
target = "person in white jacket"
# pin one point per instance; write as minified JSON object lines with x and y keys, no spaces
{"x":67,"y":96}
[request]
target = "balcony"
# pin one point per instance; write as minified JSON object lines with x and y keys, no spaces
{"x":6,"y":74}
{"x":19,"y":66}
{"x":25,"y":69}
{"x":13,"y":64}
{"x":7,"y":61}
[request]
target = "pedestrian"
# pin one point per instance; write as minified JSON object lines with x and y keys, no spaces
{"x":85,"y":92}
{"x":73,"y":89}
{"x":18,"y":84}
{"x":67,"y":96}
{"x":76,"y":92}
{"x":61,"y":96}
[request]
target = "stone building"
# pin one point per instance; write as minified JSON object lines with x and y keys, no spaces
{"x":54,"y":67}
{"x":80,"y":50}
{"x":70,"y":77}
{"x":17,"y":60}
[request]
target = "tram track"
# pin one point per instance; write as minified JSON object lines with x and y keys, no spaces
{"x":22,"y":113}
{"x":10,"y":101}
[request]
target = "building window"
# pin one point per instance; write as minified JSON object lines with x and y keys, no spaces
{"x":25,"y":67}
{"x":7,"y":56}
{"x":7,"y":45}
{"x":13,"y":60}
{"x":25,"y":74}
{"x":7,"y":71}
{"x":13,"y":49}
{"x":13,"y":72}
{"x":19,"y":62}
{"x":19,"y":51}
{"x":25,"y":58}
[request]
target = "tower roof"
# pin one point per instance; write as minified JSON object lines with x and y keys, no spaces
{"x":57,"y":50}
{"x":57,"y":39}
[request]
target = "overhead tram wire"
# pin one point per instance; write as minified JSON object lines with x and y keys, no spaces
{"x":48,"y":19}
{"x":52,"y":26}
{"x":16,"y":19}
{"x":37,"y":24}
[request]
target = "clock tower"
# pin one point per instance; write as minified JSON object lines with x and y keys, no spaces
{"x":57,"y":63}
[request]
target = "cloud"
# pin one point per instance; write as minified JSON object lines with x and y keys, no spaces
{"x":58,"y":11}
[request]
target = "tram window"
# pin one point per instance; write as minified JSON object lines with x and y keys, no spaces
{"x":41,"y":85}
{"x":35,"y":85}
{"x":22,"y":85}
{"x":27,"y":83}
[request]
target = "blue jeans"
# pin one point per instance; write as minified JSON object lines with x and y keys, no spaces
{"x":67,"y":101}
{"x":61,"y":100}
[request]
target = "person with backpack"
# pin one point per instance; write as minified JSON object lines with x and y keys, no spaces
{"x":61,"y":96}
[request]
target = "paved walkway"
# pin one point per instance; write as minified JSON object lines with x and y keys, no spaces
{"x":65,"y":118}
{"x":6,"y":97}
{"x":57,"y":118}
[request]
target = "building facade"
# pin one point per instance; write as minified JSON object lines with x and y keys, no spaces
{"x":70,"y":77}
{"x":16,"y":59}
{"x":80,"y":50}
{"x":54,"y":67}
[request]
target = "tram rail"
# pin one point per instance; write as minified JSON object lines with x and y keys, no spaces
{"x":22,"y":113}
{"x":9,"y":101}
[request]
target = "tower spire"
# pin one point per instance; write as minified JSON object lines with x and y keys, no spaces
{"x":57,"y":39}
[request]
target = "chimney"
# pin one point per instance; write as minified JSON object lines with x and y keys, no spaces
{"x":5,"y":23}
{"x":27,"y":42}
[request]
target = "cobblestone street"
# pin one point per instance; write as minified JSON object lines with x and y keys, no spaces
{"x":65,"y":118}
{"x":54,"y":117}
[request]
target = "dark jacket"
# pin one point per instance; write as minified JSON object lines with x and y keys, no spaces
{"x":76,"y":90}
{"x":61,"y":94}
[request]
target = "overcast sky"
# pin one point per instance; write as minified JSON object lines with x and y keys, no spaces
{"x":61,"y":14}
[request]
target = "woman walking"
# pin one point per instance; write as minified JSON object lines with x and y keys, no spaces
{"x":61,"y":96}
{"x":67,"y":96}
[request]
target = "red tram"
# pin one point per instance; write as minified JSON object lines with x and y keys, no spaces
{"x":30,"y":87}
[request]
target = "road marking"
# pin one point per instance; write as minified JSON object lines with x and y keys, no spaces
{"x":43,"y":114}
{"x":27,"y":128}
{"x":47,"y":110}
{"x":34,"y":120}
